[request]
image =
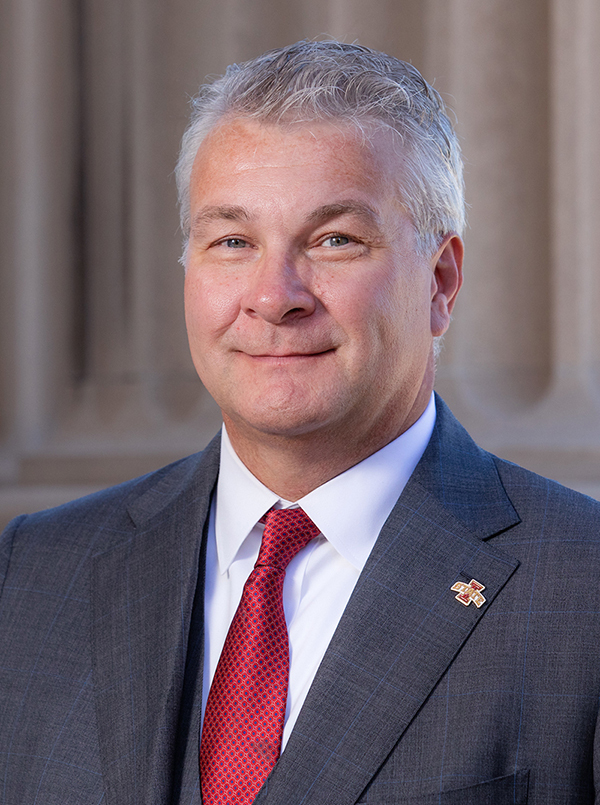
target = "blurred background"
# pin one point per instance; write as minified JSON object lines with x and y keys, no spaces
{"x":96,"y":384}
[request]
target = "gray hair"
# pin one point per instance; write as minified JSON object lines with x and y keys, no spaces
{"x":316,"y":81}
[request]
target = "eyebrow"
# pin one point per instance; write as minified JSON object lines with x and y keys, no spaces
{"x":220,"y":213}
{"x":321,"y":214}
{"x":351,"y":207}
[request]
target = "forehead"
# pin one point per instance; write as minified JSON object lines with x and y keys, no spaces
{"x":320,"y":154}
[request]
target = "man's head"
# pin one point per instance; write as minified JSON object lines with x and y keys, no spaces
{"x":350,"y":84}
{"x":314,"y":292}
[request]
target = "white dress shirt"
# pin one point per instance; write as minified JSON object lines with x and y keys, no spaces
{"x":349,"y":510}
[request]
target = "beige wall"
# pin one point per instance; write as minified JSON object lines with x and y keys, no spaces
{"x":96,"y":382}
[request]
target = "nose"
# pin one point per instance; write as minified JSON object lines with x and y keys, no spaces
{"x":277,"y":292}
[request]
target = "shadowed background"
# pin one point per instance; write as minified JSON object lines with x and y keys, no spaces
{"x":96,"y":383}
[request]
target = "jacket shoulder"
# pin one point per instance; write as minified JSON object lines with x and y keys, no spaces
{"x":98,"y":520}
{"x":562,"y":510}
{"x":112,"y":498}
{"x":492,"y":495}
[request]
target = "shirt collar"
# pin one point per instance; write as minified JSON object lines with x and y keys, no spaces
{"x":349,"y":510}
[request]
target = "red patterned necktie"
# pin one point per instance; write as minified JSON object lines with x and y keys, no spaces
{"x":243,"y":722}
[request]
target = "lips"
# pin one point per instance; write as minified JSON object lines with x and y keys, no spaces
{"x":291,"y":354}
{"x":288,"y":355}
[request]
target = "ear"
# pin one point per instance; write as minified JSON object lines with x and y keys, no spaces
{"x":446,"y":280}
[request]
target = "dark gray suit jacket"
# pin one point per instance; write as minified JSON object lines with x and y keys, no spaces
{"x":419,"y":699}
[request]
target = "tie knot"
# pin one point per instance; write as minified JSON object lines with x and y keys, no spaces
{"x":286,"y":532}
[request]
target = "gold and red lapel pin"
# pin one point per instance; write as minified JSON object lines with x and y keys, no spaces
{"x":468,"y":593}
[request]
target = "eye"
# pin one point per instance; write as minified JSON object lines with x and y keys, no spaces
{"x":336,"y":240}
{"x":235,"y":243}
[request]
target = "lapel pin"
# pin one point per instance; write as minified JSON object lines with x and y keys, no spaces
{"x":469,"y":592}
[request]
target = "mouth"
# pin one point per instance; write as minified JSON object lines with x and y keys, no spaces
{"x":285,"y":356}
{"x":291,"y":354}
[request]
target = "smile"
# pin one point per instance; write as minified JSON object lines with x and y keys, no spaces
{"x":289,"y":356}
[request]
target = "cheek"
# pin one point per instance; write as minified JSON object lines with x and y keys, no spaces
{"x":408,"y":303}
{"x":399,"y":323}
{"x":210,"y":307}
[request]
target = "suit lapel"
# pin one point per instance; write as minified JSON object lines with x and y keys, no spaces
{"x":142,"y":593}
{"x":403,"y":626}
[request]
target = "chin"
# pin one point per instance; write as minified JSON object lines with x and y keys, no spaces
{"x":281,"y":422}
{"x":284,"y":426}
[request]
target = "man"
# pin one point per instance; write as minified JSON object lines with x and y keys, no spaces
{"x":421,"y":623}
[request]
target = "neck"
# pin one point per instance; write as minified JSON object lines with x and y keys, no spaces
{"x":293,"y":466}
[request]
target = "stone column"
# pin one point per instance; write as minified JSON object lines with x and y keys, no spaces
{"x":521,"y":367}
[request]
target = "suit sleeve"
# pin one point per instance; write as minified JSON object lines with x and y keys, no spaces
{"x":6,"y":543}
{"x":597,"y":761}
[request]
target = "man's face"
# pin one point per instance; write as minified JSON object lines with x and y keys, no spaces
{"x":308,"y":308}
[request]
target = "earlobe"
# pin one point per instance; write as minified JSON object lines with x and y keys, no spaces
{"x":447,"y":278}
